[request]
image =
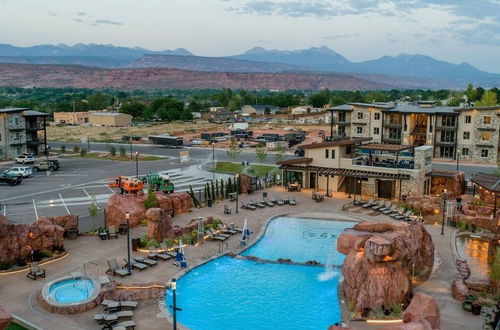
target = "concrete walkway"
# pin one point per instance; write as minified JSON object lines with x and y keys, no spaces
{"x":17,"y":292}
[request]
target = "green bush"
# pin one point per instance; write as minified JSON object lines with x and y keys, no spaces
{"x":150,"y":200}
{"x":463,"y":225}
{"x":396,"y":310}
{"x":112,"y":151}
{"x":83,"y":152}
{"x":123,"y":152}
{"x":76,"y":149}
{"x":63,"y":149}
{"x":47,"y":254}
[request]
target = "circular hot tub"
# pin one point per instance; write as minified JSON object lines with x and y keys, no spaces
{"x":71,"y":290}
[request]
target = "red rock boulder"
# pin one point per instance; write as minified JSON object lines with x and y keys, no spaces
{"x":423,"y":307}
{"x":118,"y":205}
{"x":5,"y":318}
{"x":68,"y":221}
{"x":459,"y":290}
{"x":159,"y":224}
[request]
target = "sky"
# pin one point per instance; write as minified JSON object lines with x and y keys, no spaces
{"x":452,"y":30}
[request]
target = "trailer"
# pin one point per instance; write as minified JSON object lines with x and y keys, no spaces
{"x":167,"y":141}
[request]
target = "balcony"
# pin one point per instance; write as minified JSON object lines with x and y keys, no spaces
{"x":446,"y":128}
{"x":33,"y":128}
{"x":485,"y":144}
{"x":341,"y":123}
{"x":16,"y":127}
{"x":391,"y":140}
{"x":445,"y":143}
{"x":33,"y":142}
{"x":16,"y":143}
{"x":486,"y":128}
{"x":419,"y":130}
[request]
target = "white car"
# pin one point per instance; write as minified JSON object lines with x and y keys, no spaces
{"x":20,"y":170}
{"x":25,"y":159}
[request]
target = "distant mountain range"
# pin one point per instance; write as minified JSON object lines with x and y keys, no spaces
{"x":417,"y":70}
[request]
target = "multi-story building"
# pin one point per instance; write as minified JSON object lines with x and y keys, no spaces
{"x":20,"y":130}
{"x":470,"y":133}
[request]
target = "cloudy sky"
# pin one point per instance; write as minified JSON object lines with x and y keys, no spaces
{"x":452,"y":30}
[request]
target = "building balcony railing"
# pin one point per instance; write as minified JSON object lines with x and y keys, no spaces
{"x":359,"y":122}
{"x":33,"y":142}
{"x":33,"y":128}
{"x":341,"y":123}
{"x":393,"y":125}
{"x":487,"y":128}
{"x":445,"y":143}
{"x":16,"y":143}
{"x":446,"y":128}
{"x":391,"y":140}
{"x":16,"y":127}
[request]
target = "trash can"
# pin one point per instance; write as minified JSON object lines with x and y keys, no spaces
{"x":209,"y":203}
{"x":264,"y":194}
{"x":136,"y":242}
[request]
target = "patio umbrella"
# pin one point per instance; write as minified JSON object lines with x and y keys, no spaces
{"x":180,"y":257}
{"x":245,"y":234}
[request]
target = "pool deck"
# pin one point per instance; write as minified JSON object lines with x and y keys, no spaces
{"x":18,"y":292}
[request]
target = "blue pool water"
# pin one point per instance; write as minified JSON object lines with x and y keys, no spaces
{"x":229,"y":293}
{"x":72,"y":291}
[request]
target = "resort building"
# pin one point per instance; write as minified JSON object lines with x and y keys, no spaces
{"x":72,"y":118}
{"x":361,"y":166}
{"x":20,"y":130}
{"x":470,"y":133}
{"x":116,"y":119}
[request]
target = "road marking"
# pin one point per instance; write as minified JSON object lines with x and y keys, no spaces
{"x":62,"y":200}
{"x":5,"y":210}
{"x":110,"y":188}
{"x":34,"y":206}
{"x":90,"y":198}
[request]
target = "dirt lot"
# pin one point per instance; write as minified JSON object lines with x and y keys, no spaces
{"x":187,"y":130}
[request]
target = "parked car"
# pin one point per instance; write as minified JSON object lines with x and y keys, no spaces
{"x":10,"y":178}
{"x":45,"y":165}
{"x":24,"y":171}
{"x":25,"y":159}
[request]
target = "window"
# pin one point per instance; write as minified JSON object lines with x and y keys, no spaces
{"x":447,"y":136}
{"x":360,"y":115}
{"x":326,"y":153}
{"x":468,"y":119}
{"x":1,"y":153}
{"x":348,"y":150}
{"x":0,"y":137}
{"x":465,"y":151}
{"x":466,"y":135}
{"x":377,"y":116}
{"x":333,"y":153}
{"x":14,"y":137}
{"x":484,"y":152}
{"x":448,"y":121}
{"x":359,"y":130}
{"x":341,"y":130}
{"x":376,"y":130}
{"x":487,"y":120}
{"x":341,"y":117}
{"x":486,"y":136}
{"x":395,"y":133}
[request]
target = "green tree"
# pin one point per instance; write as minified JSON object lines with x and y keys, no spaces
{"x":261,"y":152}
{"x":150,"y":201}
{"x":234,"y":150}
{"x":123,"y":152}
{"x":471,"y":93}
{"x":135,"y":109}
{"x":63,"y":149}
{"x":83,"y":152}
{"x":212,"y":191}
{"x":217,"y":195}
{"x":76,"y":148}
{"x":229,"y":186}
{"x":112,"y":151}
{"x":93,"y":209}
{"x":280,"y":153}
{"x":489,"y":99}
{"x":99,"y":101}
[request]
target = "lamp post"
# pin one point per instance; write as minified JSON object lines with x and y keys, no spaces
{"x":213,"y":161}
{"x":174,"y":307}
{"x":137,"y":164}
{"x":236,"y":184}
{"x":350,"y":179}
{"x":88,"y":142}
{"x":458,"y":158}
{"x":127,"y":216}
{"x":131,"y":150}
{"x":445,"y":198}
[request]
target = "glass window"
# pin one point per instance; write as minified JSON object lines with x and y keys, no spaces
{"x":360,"y":115}
{"x":333,"y":153}
{"x":484,"y":152}
{"x":466,"y":135}
{"x":465,"y":151}
{"x":341,"y":117}
{"x":395,"y":133}
{"x":348,"y":150}
{"x":487,"y":120}
{"x":486,"y":136}
{"x":377,"y":116}
{"x":376,"y":130}
{"x":326,"y":153}
{"x":447,"y":136}
{"x":468,"y":119}
{"x":448,"y":121}
{"x":359,"y":130}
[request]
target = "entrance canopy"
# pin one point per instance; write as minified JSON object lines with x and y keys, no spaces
{"x":487,"y":181}
{"x":344,"y":172}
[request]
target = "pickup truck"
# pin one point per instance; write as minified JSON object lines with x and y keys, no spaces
{"x":10,"y":178}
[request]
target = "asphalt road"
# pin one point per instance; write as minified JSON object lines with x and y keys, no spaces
{"x":205,"y":155}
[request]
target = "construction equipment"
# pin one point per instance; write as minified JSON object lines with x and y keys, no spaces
{"x":160,"y":182}
{"x":126,"y":184}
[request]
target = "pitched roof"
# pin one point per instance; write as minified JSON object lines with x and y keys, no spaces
{"x":7,"y":110}
{"x":293,"y":161}
{"x":488,"y":181}
{"x":386,"y":147}
{"x":262,"y":106}
{"x":345,"y":142}
{"x":33,"y":113}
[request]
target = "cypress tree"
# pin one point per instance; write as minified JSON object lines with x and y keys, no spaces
{"x":229,"y":186}
{"x":217,"y":196}
{"x":213,"y":190}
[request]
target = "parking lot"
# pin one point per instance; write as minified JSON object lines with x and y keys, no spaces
{"x":72,"y":188}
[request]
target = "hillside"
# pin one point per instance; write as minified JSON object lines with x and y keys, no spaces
{"x":151,"y":78}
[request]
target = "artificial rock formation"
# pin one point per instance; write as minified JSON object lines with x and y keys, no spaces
{"x":160,"y":225}
{"x":5,"y":318}
{"x":118,"y":205}
{"x":381,"y":257}
{"x":68,"y":221}
{"x":17,"y":241}
{"x":423,"y":307}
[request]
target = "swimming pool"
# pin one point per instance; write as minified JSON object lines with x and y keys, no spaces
{"x":230,"y":293}
{"x":72,"y":290}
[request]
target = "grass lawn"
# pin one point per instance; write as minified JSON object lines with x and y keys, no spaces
{"x":107,"y":156}
{"x":253,"y":169}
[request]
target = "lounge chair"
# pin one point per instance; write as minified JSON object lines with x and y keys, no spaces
{"x":274,"y":200}
{"x":231,"y":226}
{"x":214,"y":237}
{"x":392,"y":209}
{"x":292,"y":201}
{"x":247,"y":206}
{"x":227,"y":209}
{"x":114,"y":269}
{"x":404,"y":216}
{"x":387,"y":205}
{"x":225,"y":229}
{"x":138,"y":265}
{"x":380,"y":205}
{"x":112,"y":232}
{"x":370,"y":203}
{"x":146,"y":261}
{"x":219,"y":234}
{"x":101,"y":318}
{"x":279,"y":201}
{"x":119,"y":304}
{"x":268,"y":203}
{"x":400,"y":211}
{"x":163,"y":246}
{"x":357,"y":201}
{"x":35,"y":271}
{"x":409,"y":217}
{"x":155,"y":254}
{"x":124,"y":325}
{"x":259,"y":204}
